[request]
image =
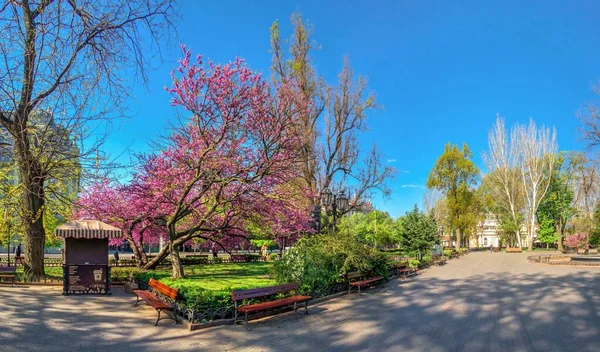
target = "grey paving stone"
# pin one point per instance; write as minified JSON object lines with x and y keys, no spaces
{"x":480,"y":302}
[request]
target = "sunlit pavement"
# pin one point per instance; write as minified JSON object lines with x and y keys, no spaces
{"x":480,"y":302}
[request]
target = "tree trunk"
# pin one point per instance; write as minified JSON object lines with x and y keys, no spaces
{"x":143,"y":258}
{"x":138,"y":251}
{"x":457,"y":244}
{"x":558,"y":229}
{"x":160,"y":256}
{"x":33,"y":220}
{"x":531,"y":231}
{"x":518,"y":233}
{"x":176,"y":262}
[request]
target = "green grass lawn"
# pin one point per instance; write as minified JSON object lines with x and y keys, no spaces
{"x":211,"y":284}
{"x":55,"y":272}
{"x":219,"y":277}
{"x":204,"y":284}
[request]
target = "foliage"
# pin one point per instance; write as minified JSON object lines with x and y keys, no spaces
{"x":259,"y":243}
{"x":504,"y":180}
{"x":67,"y":57}
{"x":546,"y":231}
{"x":556,"y":207}
{"x":331,"y":155}
{"x":376,"y":227}
{"x":414,"y":263}
{"x":595,"y":234}
{"x":427,"y":259}
{"x":448,"y":252}
{"x":317,"y":262}
{"x":273,"y":257}
{"x":454,"y":174}
{"x":123,"y":274}
{"x":418,"y":231}
{"x":576,"y":240}
{"x":211,"y":285}
{"x":124,"y":208}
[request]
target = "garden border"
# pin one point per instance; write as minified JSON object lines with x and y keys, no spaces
{"x":547,"y":260}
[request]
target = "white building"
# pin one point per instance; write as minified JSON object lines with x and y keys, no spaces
{"x":487,"y":233}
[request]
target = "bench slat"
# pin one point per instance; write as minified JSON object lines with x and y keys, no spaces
{"x":366,"y":282}
{"x":164,"y":289}
{"x":262,"y":291}
{"x":273,"y":304}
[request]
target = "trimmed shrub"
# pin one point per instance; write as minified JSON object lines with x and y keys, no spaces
{"x":427,"y":259}
{"x":315,"y":263}
{"x":414,"y":263}
{"x":123,"y":274}
{"x":273,"y":257}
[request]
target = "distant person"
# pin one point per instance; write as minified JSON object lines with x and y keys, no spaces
{"x":18,"y":251}
{"x":264,"y":250}
{"x":491,"y":247}
{"x":116,"y":255}
{"x":215,"y":252}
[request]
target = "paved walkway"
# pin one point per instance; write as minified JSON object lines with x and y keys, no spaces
{"x":481,"y":302}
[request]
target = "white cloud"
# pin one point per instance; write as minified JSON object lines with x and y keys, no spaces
{"x":406,"y":172}
{"x":412,"y":186}
{"x":391,"y":160}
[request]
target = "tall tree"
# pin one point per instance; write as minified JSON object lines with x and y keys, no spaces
{"x":124,"y":208}
{"x":230,"y":161}
{"x":418,"y":231}
{"x":504,"y":178}
{"x":556,"y":208}
{"x":375,"y":227}
{"x":455,"y":175}
{"x":67,"y":56}
{"x":435,"y":204}
{"x":537,"y":153}
{"x":332,"y":156}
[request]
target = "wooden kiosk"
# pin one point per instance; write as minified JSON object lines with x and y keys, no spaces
{"x":85,"y":256}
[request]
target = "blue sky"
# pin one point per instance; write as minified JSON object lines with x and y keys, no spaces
{"x":440,"y":69}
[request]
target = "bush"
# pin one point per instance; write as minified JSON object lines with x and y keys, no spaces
{"x":194,"y":260}
{"x":448,"y":252}
{"x":124,"y":274}
{"x":273,"y":257}
{"x":414,"y":263}
{"x":315,"y":263}
{"x":112,"y":261}
{"x":427,"y":259}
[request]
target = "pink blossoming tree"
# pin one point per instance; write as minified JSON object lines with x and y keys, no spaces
{"x":576,"y":240}
{"x":224,"y":166}
{"x":120,"y":206}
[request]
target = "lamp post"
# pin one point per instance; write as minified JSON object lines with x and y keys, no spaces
{"x":337,"y":203}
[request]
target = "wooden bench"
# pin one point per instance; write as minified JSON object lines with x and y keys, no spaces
{"x":514,"y":250}
{"x":402,"y":269}
{"x":358,"y":279}
{"x":263,"y":292}
{"x":156,"y":302}
{"x":9,"y":273}
{"x":593,"y":251}
{"x":438,"y":260}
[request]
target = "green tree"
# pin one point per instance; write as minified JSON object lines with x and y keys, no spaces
{"x":556,"y":208}
{"x":455,"y":175}
{"x":546,"y":231}
{"x":375,"y":227}
{"x":418,"y":231}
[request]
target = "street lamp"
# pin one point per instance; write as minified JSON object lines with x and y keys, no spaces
{"x":337,"y":202}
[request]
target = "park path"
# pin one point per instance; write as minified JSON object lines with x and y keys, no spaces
{"x":480,"y":302}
